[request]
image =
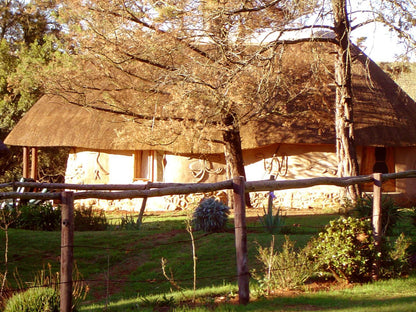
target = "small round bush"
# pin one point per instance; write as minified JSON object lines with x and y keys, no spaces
{"x":210,"y":216}
{"x":346,"y":249}
{"x":42,"y":299}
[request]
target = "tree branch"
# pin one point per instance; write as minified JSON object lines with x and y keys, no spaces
{"x":135,"y":19}
{"x":255,"y":9}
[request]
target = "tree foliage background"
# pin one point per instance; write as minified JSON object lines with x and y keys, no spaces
{"x":29,"y":35}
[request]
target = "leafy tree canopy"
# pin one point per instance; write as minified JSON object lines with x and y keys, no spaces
{"x":29,"y":34}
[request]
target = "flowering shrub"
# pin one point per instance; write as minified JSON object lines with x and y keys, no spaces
{"x":346,"y":249}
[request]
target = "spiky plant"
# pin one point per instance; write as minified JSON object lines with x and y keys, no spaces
{"x":211,"y":215}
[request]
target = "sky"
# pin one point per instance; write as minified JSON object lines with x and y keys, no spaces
{"x":381,"y":45}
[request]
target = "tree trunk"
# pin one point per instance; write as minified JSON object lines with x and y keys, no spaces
{"x":233,"y":153}
{"x":344,"y":122}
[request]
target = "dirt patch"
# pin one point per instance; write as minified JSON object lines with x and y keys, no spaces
{"x":109,"y":283}
{"x":118,"y":274}
{"x":165,"y":236}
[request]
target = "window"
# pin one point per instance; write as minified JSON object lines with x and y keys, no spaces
{"x":144,"y":166}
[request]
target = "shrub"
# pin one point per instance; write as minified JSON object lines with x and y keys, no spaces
{"x":287,"y":269}
{"x":412,"y":216}
{"x":8,"y":214}
{"x":211,"y":215}
{"x":39,"y":217}
{"x":363,"y":208}
{"x":42,"y":299}
{"x":395,"y":258}
{"x":346,"y":249}
{"x":46,"y":217}
{"x":87,"y":219}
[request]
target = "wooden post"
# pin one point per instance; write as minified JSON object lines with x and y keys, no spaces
{"x":241,"y":239}
{"x":34,"y":166}
{"x":26,"y":160}
{"x":142,"y":208}
{"x":376,"y":220}
{"x":67,"y":242}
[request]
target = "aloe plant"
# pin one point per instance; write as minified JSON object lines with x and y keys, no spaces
{"x":272,"y":222}
{"x":211,"y":215}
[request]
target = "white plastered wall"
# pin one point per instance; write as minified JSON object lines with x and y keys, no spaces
{"x":285,"y":161}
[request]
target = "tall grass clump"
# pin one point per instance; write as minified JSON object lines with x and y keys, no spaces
{"x":42,"y":299}
{"x":43,"y":293}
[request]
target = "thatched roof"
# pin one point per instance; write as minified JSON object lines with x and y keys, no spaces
{"x":384,"y":115}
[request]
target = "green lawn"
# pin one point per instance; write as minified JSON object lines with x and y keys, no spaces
{"x":396,"y":295}
{"x":123,"y":267}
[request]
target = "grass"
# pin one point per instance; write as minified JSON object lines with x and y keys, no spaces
{"x":123,"y":267}
{"x":392,"y":295}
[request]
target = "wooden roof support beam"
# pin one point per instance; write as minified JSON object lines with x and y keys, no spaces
{"x":26,"y":158}
{"x":34,"y":166}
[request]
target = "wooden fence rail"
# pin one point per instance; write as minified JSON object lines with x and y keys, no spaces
{"x":238,"y":185}
{"x":114,"y":192}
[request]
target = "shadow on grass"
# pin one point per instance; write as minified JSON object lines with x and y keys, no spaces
{"x":328,"y":302}
{"x":321,"y":302}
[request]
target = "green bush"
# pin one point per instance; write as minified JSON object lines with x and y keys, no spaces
{"x":87,"y":219}
{"x":39,"y":217}
{"x":395,"y":257}
{"x":42,"y":299}
{"x":46,"y":217}
{"x":363,"y":208}
{"x":346,"y":249}
{"x":287,"y":269}
{"x":412,"y":216}
{"x":211,"y":215}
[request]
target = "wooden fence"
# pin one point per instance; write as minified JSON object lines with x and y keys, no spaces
{"x":237,"y":185}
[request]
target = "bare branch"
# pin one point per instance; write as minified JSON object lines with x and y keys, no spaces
{"x":244,"y":9}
